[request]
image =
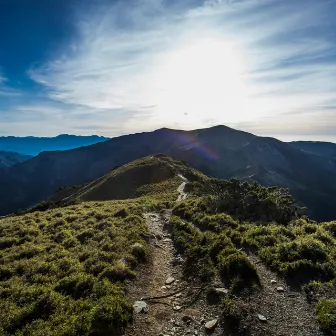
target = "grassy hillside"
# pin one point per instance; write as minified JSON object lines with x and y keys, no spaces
{"x":226,"y":221}
{"x":154,"y":176}
{"x":64,"y":271}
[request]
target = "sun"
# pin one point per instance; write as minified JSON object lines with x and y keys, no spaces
{"x":201,"y":81}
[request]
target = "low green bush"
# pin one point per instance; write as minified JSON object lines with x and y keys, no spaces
{"x":326,"y":315}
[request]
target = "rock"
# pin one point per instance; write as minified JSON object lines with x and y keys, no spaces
{"x":140,"y":307}
{"x":221,"y":291}
{"x":262,"y":318}
{"x":163,"y":287}
{"x":177,"y":261}
{"x":273,"y":282}
{"x":167,"y":240}
{"x":169,"y":280}
{"x":178,"y":295}
{"x":186,"y":319}
{"x":280,"y":289}
{"x":177,"y":308}
{"x":211,"y":324}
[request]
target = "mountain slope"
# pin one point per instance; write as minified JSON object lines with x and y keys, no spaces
{"x":78,"y":269}
{"x":158,"y":176}
{"x":327,"y":149}
{"x":8,"y":159}
{"x":218,"y":151}
{"x":35,"y":145}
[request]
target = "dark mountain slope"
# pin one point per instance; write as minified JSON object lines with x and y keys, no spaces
{"x":8,"y":159}
{"x":218,"y":151}
{"x":323,"y":153}
{"x":34,"y":145}
{"x":320,"y":148}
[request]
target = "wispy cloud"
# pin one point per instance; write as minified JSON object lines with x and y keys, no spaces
{"x":117,"y":69}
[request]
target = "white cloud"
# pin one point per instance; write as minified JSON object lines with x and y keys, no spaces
{"x":132,"y":64}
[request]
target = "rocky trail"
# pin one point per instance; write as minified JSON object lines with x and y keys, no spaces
{"x":167,"y":304}
{"x":160,"y":311}
{"x":286,"y":310}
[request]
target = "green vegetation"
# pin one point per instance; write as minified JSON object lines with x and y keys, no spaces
{"x":63,"y":271}
{"x":208,"y":253}
{"x":326,"y":315}
{"x":231,"y":216}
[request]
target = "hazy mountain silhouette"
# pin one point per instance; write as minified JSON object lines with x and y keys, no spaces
{"x":35,"y":145}
{"x":8,"y":159}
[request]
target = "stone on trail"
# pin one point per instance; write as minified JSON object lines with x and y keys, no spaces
{"x":170,"y":280}
{"x":262,"y":318}
{"x":186,"y":319}
{"x":211,"y":324}
{"x":140,"y":307}
{"x":273,"y":282}
{"x":280,"y":289}
{"x":221,"y":291}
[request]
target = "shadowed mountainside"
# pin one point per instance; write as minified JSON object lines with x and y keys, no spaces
{"x":219,"y":151}
{"x":8,"y":159}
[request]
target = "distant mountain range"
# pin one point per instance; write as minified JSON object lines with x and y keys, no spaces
{"x":34,"y":145}
{"x":218,"y":151}
{"x":8,"y":159}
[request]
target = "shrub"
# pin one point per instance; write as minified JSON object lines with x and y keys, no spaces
{"x":77,"y":285}
{"x":326,"y":315}
{"x":237,"y":268}
{"x":5,"y":273}
{"x":118,"y":272}
{"x":139,"y":251}
{"x":111,"y":315}
{"x":7,"y":242}
{"x":85,"y":235}
{"x":233,"y":312}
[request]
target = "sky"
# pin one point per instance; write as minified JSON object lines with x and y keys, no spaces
{"x":111,"y":67}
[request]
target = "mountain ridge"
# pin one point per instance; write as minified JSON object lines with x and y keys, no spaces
{"x":219,"y":151}
{"x":8,"y":159}
{"x":31,"y":145}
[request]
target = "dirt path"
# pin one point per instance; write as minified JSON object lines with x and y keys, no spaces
{"x":182,"y":194}
{"x":182,"y":314}
{"x":175,"y":315}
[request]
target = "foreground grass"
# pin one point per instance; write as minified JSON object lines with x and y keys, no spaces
{"x":264,"y":221}
{"x":63,"y":271}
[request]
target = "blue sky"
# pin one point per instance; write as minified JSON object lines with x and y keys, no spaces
{"x":118,"y":67}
